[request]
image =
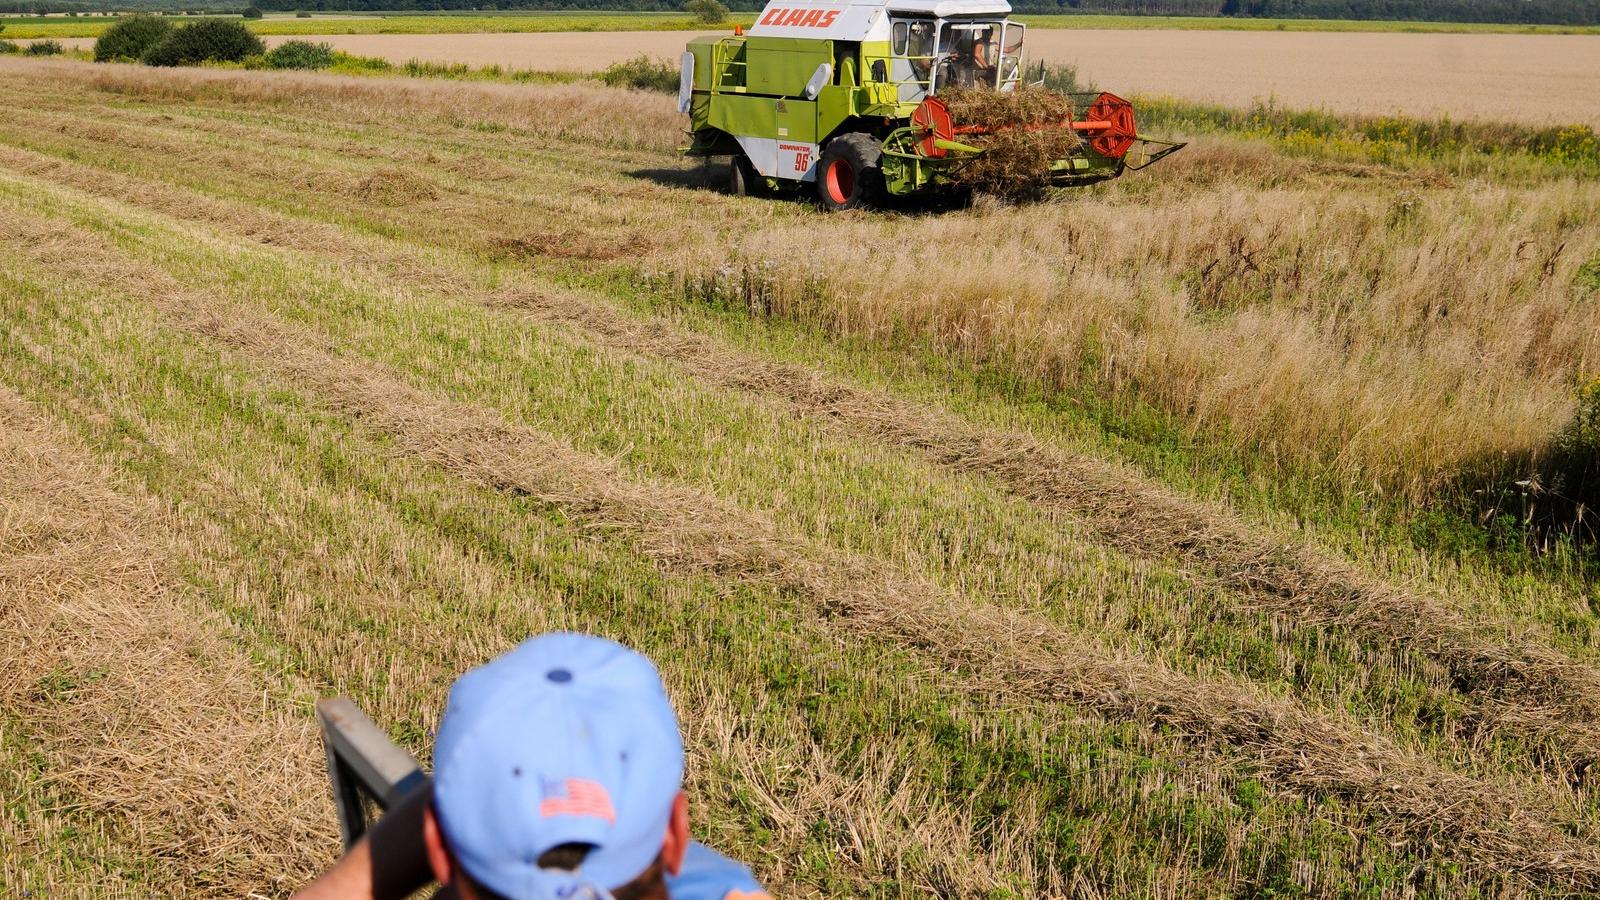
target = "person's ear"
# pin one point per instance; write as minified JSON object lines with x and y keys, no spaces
{"x":438,"y":854}
{"x":676,"y":843}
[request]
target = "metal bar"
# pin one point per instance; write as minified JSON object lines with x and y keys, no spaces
{"x":363,"y":762}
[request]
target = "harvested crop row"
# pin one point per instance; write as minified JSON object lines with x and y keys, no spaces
{"x":1127,"y":511}
{"x":1521,"y":687}
{"x":129,"y":702}
{"x":324,"y":543}
{"x":689,"y":531}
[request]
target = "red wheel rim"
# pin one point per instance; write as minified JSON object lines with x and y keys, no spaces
{"x":840,"y":180}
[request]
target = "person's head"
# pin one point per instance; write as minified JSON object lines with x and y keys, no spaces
{"x":557,"y":769}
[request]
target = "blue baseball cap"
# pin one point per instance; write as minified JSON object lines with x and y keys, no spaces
{"x":566,"y":739}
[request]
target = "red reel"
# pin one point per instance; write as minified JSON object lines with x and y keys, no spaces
{"x":932,"y":119}
{"x":1118,"y":132}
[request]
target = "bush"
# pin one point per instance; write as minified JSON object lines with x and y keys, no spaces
{"x":643,"y":73}
{"x":710,"y":12}
{"x":130,"y":37}
{"x":302,"y":14}
{"x":300,"y":55}
{"x":1577,"y":460}
{"x":9,"y":47}
{"x":1062,"y":78}
{"x":213,"y":40}
{"x":44,"y":48}
{"x":251,"y":12}
{"x":350,"y":64}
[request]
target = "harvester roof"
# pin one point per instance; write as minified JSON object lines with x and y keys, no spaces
{"x":859,"y":20}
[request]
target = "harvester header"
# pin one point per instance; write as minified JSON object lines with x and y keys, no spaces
{"x":849,"y":97}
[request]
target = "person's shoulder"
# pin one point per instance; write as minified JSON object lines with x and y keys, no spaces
{"x":708,"y":875}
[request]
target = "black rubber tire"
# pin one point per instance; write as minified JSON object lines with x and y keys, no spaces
{"x":850,"y":174}
{"x":743,"y":179}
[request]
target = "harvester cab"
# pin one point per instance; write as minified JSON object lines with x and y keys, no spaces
{"x":848,"y":97}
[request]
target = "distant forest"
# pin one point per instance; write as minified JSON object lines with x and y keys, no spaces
{"x":1519,"y":12}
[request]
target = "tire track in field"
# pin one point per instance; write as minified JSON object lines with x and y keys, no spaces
{"x":685,"y":530}
{"x":1520,"y":684}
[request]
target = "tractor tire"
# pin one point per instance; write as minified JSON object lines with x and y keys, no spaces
{"x":743,"y":179}
{"x":850,"y":173}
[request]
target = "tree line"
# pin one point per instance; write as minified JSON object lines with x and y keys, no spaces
{"x":1514,"y":12}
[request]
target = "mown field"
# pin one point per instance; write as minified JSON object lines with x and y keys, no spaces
{"x":1118,"y":545}
{"x":527,"y":21}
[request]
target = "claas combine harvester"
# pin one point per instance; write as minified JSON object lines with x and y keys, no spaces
{"x":845,"y":96}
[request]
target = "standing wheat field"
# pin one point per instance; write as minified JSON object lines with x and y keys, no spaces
{"x":1092,"y":547}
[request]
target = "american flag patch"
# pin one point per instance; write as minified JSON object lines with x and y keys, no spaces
{"x":576,"y":797}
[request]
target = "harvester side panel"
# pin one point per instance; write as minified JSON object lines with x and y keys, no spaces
{"x":780,"y":67}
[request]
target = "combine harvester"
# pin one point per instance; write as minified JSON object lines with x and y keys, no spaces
{"x":845,"y":95}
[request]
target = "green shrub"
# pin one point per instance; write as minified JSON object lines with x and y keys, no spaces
{"x":44,"y":48}
{"x":1586,"y":281}
{"x":643,"y":73}
{"x":130,"y":37}
{"x":9,"y":47}
{"x":1563,"y":493}
{"x":710,"y":12}
{"x":251,"y":12}
{"x":1062,"y":78}
{"x":350,"y":64}
{"x":300,"y":55}
{"x":213,"y":40}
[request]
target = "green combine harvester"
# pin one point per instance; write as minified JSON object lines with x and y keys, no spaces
{"x":845,"y":96}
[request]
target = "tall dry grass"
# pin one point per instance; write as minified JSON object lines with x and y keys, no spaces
{"x":1391,"y":332}
{"x":585,"y":112}
{"x":1394,"y":338}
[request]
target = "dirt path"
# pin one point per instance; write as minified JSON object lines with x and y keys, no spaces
{"x":1530,"y":79}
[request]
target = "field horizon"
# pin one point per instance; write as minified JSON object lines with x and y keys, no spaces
{"x":1127,"y":543}
{"x":536,"y":21}
{"x":1472,"y":78}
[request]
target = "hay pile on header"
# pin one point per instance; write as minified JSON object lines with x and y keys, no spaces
{"x":1031,"y":132}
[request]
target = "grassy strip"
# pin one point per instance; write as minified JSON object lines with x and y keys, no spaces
{"x":54,"y":846}
{"x":1466,"y":148}
{"x":353,"y":64}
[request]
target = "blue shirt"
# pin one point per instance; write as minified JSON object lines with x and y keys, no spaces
{"x":708,"y":875}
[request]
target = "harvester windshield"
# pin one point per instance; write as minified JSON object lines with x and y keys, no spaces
{"x":979,"y":55}
{"x":930,"y":54}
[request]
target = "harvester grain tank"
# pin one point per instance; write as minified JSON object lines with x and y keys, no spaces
{"x":844,"y":95}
